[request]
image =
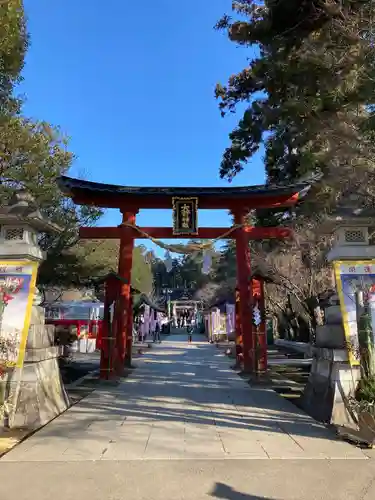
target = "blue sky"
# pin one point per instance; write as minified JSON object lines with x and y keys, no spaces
{"x":132,"y":84}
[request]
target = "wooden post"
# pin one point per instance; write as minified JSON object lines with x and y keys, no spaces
{"x":124,"y":270}
{"x":129,"y":338}
{"x":105,"y":343}
{"x":107,"y":347}
{"x":244,"y":285}
{"x":239,"y":343}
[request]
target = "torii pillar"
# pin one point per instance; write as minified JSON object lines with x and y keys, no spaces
{"x":125,"y":313}
{"x":245,"y":288}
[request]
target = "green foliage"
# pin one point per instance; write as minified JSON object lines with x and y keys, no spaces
{"x":366,"y":390}
{"x":226,"y":264}
{"x":32,"y":156}
{"x":307,"y":92}
{"x":186,"y":272}
{"x":88,"y":260}
{"x":191,"y":266}
{"x":142,"y":278}
{"x":13,"y":46}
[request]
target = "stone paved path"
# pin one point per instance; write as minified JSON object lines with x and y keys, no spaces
{"x":182,"y":402}
{"x":184,"y":427}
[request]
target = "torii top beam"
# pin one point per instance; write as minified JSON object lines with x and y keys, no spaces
{"x":134,"y":198}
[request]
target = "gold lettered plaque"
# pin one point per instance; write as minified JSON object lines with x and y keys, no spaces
{"x":185,"y":216}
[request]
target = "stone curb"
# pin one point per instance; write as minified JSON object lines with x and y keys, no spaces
{"x":79,"y":381}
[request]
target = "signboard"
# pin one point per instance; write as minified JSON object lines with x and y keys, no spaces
{"x":185,"y":216}
{"x":17,"y":290}
{"x":146,"y":322}
{"x":353,"y":277}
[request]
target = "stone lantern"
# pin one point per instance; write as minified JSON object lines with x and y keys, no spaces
{"x":35,"y":392}
{"x":20,"y":226}
{"x":332,"y":379}
{"x":351,"y":228}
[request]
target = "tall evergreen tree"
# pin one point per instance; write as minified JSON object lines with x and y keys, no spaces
{"x":308,"y":93}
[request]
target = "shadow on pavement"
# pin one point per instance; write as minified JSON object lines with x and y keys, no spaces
{"x":194,"y":385}
{"x":227,"y":493}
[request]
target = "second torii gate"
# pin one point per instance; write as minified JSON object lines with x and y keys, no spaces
{"x":184,"y":202}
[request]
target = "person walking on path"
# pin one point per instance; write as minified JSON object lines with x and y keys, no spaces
{"x":190,"y":333}
{"x":157,"y":334}
{"x":165,"y":325}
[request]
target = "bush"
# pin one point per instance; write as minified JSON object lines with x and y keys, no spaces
{"x":366,"y":390}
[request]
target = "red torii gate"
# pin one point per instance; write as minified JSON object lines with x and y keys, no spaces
{"x":238,"y":200}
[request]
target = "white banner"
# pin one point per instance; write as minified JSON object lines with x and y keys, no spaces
{"x":231,"y":318}
{"x":207,"y":262}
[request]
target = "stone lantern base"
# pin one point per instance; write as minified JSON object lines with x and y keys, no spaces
{"x":332,"y":380}
{"x":36,"y":393}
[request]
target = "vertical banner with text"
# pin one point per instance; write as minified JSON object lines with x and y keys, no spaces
{"x":17,"y":290}
{"x":353,"y":277}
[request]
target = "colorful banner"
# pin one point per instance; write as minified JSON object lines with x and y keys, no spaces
{"x":152,"y":321}
{"x":215,"y":321}
{"x":231,"y":318}
{"x":146,"y":322}
{"x":353,"y":277}
{"x":207,"y":261}
{"x":17,"y":290}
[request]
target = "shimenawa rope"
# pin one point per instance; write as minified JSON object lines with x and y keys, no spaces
{"x":183,"y":249}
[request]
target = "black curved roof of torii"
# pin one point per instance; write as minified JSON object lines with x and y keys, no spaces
{"x":78,"y":189}
{"x":69,"y":184}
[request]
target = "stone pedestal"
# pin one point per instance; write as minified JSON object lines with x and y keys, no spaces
{"x":331,"y":379}
{"x":36,"y":391}
{"x":331,"y":334}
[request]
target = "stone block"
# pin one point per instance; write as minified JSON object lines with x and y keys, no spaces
{"x":331,"y":381}
{"x":36,"y":394}
{"x":321,"y":366}
{"x":19,"y":250}
{"x":329,"y":354}
{"x":301,"y":347}
{"x":351,"y":252}
{"x":334,"y":300}
{"x":38,"y":315}
{"x":331,"y":336}
{"x":36,"y":355}
{"x":40,"y":336}
{"x":333,"y":315}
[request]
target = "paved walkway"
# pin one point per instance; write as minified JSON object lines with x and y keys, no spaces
{"x":184,"y":426}
{"x":182,"y":402}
